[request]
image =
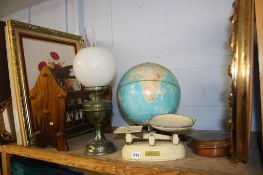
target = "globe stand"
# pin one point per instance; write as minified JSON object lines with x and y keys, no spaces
{"x":98,"y":112}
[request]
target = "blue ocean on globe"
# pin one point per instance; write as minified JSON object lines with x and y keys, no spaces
{"x":147,"y":90}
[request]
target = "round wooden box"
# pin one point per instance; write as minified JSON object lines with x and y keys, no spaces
{"x":210,"y":144}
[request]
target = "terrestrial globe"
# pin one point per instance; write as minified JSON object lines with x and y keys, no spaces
{"x":147,"y":90}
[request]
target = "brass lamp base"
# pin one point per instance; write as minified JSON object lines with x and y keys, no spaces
{"x":100,"y":145}
{"x":98,"y":112}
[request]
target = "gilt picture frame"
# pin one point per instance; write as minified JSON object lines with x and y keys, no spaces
{"x":6,"y":115}
{"x":31,"y":47}
{"x":259,"y":26}
{"x":241,"y":72}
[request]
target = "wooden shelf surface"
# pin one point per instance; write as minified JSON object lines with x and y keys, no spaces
{"x":113,"y":164}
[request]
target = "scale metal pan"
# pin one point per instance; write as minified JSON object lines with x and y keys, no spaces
{"x":171,"y":122}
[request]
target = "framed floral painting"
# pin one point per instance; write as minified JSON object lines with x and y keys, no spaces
{"x":30,"y":49}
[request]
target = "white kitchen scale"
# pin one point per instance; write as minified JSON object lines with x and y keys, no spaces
{"x":152,"y":146}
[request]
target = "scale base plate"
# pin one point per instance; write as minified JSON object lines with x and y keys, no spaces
{"x":162,"y":151}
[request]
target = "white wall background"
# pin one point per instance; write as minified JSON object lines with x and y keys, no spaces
{"x":189,"y":37}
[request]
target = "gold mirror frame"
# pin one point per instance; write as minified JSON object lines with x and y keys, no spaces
{"x":15,"y":30}
{"x":241,"y":72}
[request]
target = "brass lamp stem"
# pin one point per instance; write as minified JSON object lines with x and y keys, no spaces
{"x":98,"y":134}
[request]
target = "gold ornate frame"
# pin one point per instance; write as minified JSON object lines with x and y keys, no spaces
{"x":241,"y":72}
{"x":18,"y":79}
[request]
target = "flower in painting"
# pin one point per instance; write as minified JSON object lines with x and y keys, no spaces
{"x":41,"y":65}
{"x":52,"y":63}
{"x":54,"y":55}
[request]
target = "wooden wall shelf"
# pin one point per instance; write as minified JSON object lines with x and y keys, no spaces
{"x":113,"y":164}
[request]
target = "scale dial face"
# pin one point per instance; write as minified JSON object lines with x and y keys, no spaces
{"x":171,"y":122}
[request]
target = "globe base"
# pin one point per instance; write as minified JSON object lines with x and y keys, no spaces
{"x":161,"y":151}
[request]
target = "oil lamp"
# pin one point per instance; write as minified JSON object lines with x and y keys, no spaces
{"x":95,"y":68}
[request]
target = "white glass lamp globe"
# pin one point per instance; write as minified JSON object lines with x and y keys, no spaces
{"x":94,"y":66}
